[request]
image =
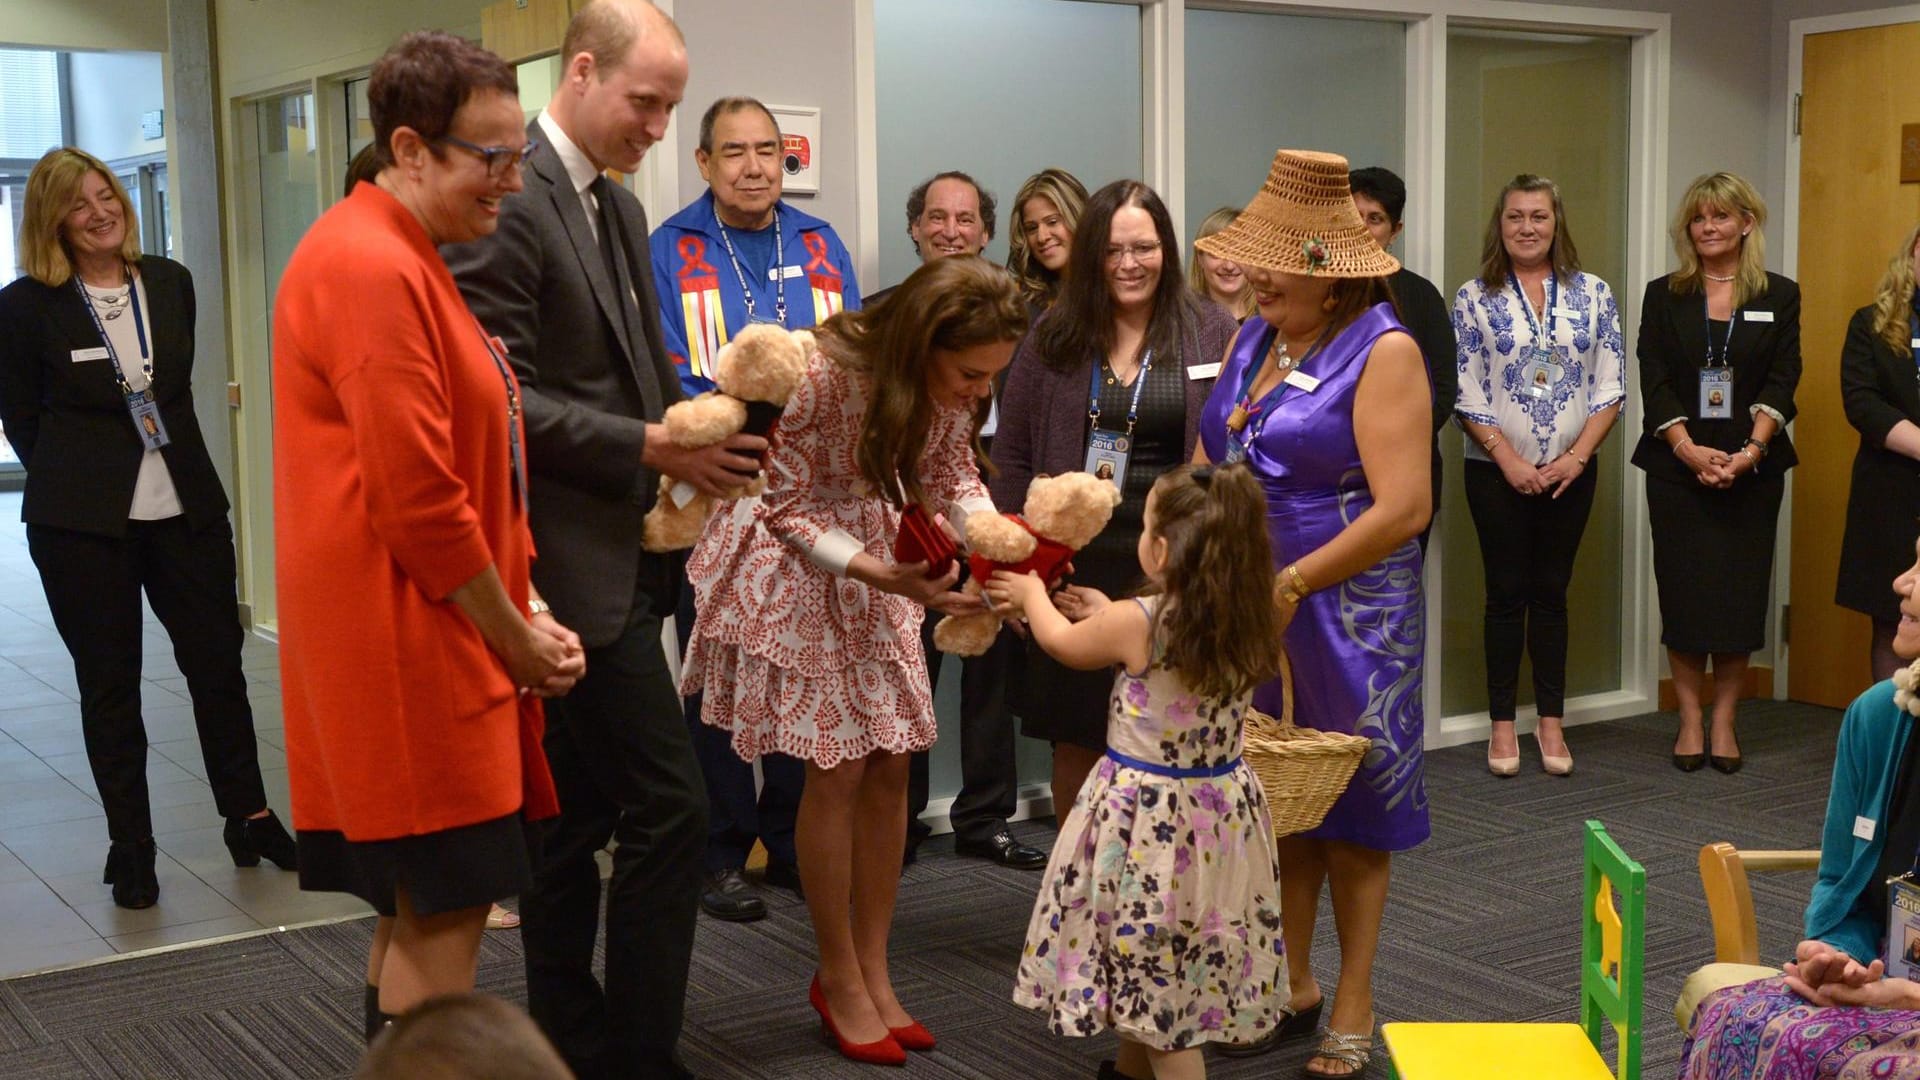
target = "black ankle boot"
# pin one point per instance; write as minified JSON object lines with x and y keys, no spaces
{"x":248,"y":839}
{"x":130,"y":872}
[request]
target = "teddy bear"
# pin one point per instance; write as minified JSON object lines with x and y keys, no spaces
{"x":1062,"y":514}
{"x":754,"y":374}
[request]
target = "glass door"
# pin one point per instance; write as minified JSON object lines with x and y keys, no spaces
{"x":284,"y":163}
{"x":1555,"y":105}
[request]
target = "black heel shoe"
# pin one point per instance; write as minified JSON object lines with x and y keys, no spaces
{"x":130,"y":872}
{"x":1689,"y":762}
{"x":248,"y":839}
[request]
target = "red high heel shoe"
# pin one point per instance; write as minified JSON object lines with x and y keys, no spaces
{"x":914,"y":1037}
{"x":882,"y":1051}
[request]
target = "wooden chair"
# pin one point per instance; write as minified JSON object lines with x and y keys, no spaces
{"x":1736,"y":945}
{"x":1723,"y":876}
{"x":1611,"y":955}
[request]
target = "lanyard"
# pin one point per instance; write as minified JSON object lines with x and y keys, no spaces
{"x":514,"y":456}
{"x":1913,"y":326}
{"x":140,"y":332}
{"x":1726,"y":346}
{"x":1133,"y":409}
{"x":779,"y":268}
{"x":1541,"y":337}
{"x":1246,"y":409}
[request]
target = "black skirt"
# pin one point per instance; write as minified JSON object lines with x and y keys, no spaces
{"x":463,"y":867}
{"x":1713,"y":561}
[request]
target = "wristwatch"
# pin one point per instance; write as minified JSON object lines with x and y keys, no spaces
{"x":1758,"y":446}
{"x":538,"y":607}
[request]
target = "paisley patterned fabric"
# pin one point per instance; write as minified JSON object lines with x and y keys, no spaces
{"x":1356,"y":648}
{"x":1159,"y":917}
{"x":793,"y":659}
{"x":1764,"y":1031}
{"x":1495,"y":330}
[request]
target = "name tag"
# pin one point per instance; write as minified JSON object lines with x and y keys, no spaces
{"x":1301,"y":379}
{"x":1759,"y":316}
{"x":83,"y":355}
{"x":1197,"y":372}
{"x":1863,"y":828}
{"x":1569,"y":313}
{"x":777,"y":272}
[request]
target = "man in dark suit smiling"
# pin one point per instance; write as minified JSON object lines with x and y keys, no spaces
{"x":566,"y":284}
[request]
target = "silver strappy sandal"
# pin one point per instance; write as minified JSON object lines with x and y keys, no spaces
{"x":1353,"y":1051}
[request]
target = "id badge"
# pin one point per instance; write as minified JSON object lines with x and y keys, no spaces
{"x":1716,"y":393}
{"x":1236,"y":452}
{"x":146,"y":419}
{"x":1107,"y":453}
{"x":1903,"y":928}
{"x":1539,"y":377}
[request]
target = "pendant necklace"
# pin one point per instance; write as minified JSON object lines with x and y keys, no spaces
{"x":1283,"y":363}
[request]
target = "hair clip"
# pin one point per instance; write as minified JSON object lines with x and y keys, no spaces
{"x":1203,"y":475}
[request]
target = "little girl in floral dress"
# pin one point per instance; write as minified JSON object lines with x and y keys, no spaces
{"x":1160,"y":918}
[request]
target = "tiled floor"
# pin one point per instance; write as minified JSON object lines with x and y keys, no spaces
{"x":53,"y":837}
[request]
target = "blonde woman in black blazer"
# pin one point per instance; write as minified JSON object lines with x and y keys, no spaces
{"x":108,"y":518}
{"x":1719,"y":356}
{"x":1882,"y":399}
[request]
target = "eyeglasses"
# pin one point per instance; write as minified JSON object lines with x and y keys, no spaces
{"x":1141,"y":252}
{"x":497,"y":159}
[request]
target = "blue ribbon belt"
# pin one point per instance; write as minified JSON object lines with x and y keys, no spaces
{"x":1170,"y":771}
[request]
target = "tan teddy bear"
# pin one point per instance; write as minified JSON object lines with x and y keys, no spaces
{"x":755,"y":375}
{"x":1062,"y":514}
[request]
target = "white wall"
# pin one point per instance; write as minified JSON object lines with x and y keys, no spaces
{"x":139,"y":25}
{"x":110,"y":92}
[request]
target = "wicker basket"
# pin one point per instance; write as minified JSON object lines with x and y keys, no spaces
{"x":1302,"y":770}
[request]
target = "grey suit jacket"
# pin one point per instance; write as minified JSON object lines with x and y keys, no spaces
{"x":593,"y":370}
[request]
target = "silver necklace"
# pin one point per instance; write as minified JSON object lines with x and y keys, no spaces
{"x":109,"y":301}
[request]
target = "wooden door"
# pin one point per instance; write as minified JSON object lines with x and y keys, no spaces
{"x":1857,"y":92}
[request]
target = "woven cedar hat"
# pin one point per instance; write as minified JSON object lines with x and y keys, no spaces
{"x":1303,"y":221}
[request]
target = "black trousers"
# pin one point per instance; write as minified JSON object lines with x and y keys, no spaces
{"x":737,"y":815}
{"x":93,"y":586}
{"x":1527,"y":545}
{"x":989,"y":779}
{"x":625,"y":770}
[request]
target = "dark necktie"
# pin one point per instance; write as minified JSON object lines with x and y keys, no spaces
{"x":610,"y":245}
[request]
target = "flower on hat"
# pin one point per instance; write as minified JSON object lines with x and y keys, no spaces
{"x":1316,"y":253}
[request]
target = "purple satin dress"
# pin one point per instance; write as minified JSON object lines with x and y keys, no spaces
{"x":1357,"y":649}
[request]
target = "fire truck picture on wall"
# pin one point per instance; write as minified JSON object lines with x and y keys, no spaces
{"x":799,"y":147}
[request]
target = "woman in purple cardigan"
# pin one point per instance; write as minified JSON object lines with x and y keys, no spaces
{"x":1119,"y":367}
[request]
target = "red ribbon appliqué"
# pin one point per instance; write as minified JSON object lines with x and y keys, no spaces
{"x":693,"y":257}
{"x":816,"y":246}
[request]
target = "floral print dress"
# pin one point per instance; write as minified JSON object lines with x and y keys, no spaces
{"x":1160,"y":917}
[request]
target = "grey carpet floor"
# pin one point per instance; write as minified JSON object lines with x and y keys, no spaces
{"x":1481,"y":925}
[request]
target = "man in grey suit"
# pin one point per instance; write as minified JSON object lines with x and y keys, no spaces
{"x":566,"y":283}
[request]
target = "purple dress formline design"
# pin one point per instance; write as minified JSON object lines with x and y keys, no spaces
{"x":1357,"y":650}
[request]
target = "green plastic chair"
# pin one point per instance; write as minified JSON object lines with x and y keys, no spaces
{"x":1612,"y":955}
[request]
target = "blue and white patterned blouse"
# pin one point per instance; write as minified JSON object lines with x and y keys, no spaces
{"x":1496,"y":338}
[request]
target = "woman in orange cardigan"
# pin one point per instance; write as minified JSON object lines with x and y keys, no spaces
{"x":413,"y":647}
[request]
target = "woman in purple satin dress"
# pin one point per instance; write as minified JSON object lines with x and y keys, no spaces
{"x":1326,"y":398}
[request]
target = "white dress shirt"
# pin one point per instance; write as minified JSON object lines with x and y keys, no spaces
{"x":154,"y":497}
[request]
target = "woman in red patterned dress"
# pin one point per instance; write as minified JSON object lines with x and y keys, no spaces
{"x":808,"y":642}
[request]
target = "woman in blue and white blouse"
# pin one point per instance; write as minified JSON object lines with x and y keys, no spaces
{"x":1542,"y":379}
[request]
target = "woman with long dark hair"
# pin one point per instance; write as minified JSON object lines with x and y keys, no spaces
{"x":808,"y":640}
{"x":1115,"y":373}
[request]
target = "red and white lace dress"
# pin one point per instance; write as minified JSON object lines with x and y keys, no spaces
{"x":793,"y":656}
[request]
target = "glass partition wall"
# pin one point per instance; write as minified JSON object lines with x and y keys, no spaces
{"x":1557,"y":106}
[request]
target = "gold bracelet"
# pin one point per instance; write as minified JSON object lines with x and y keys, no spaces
{"x":538,"y":607}
{"x":1493,"y":440}
{"x":1296,"y":583}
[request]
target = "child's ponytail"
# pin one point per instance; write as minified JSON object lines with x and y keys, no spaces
{"x":1219,"y":625}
